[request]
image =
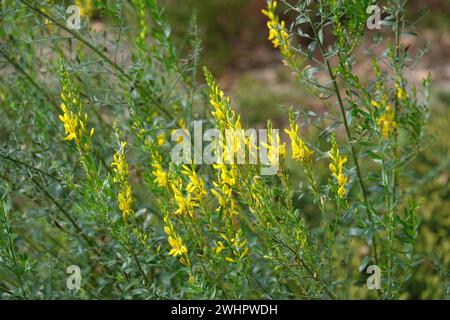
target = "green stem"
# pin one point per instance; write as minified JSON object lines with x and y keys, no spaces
{"x":30,"y":79}
{"x":13,"y":252}
{"x":396,"y":102}
{"x":349,"y":136}
{"x":306,"y":267}
{"x":114,"y":65}
{"x":16,"y":161}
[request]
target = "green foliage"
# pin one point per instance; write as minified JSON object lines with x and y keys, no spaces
{"x":143,"y":227}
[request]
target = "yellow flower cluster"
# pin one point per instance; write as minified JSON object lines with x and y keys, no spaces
{"x":161,"y":138}
{"x":380,"y":105}
{"x":73,"y":118}
{"x":219,"y":248}
{"x":143,"y":25}
{"x":224,"y":192}
{"x":228,"y":174}
{"x":178,"y":249}
{"x":278,"y":33}
{"x":161,"y":176}
{"x":186,"y":199}
{"x":181,"y":125}
{"x":119,"y":164}
{"x":225,"y":118}
{"x":386,"y":122}
{"x":70,"y":121}
{"x":256,"y":191}
{"x":186,"y":204}
{"x":196,"y":185}
{"x":125,"y":200}
{"x":300,"y":151}
{"x":275,"y":149}
{"x":238,"y":248}
{"x":87,"y":7}
{"x":120,"y":169}
{"x":401,"y":93}
{"x":337,"y":167}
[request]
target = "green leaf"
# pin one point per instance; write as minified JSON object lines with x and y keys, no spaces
{"x":374,"y":156}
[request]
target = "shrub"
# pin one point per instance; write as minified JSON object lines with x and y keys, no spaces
{"x":88,"y":176}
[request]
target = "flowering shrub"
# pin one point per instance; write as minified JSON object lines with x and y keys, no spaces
{"x":140,"y":225}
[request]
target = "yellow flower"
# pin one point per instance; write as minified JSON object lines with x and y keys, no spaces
{"x":161,"y":177}
{"x":120,"y":169}
{"x":237,"y":243}
{"x":119,"y":165}
{"x":73,"y":118}
{"x":387,"y":122}
{"x":178,"y":249}
{"x":375,"y":104}
{"x":244,"y":253}
{"x":220,"y":198}
{"x":87,"y":7}
{"x":230,"y":260}
{"x":401,"y":93}
{"x":237,"y":246}
{"x":278,"y":33}
{"x":142,"y":22}
{"x":181,"y":123}
{"x":186,"y":204}
{"x":224,"y":196}
{"x":219,"y":247}
{"x":227,"y":175}
{"x":337,"y":167}
{"x":125,"y":200}
{"x":161,"y":139}
{"x":70,"y":122}
{"x":180,"y":137}
{"x":300,"y":151}
{"x":341,"y":191}
{"x":275,"y":150}
{"x":382,"y":104}
{"x":224,"y":116}
{"x":196,"y":185}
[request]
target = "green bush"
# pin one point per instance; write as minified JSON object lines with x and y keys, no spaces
{"x":87,"y":177}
